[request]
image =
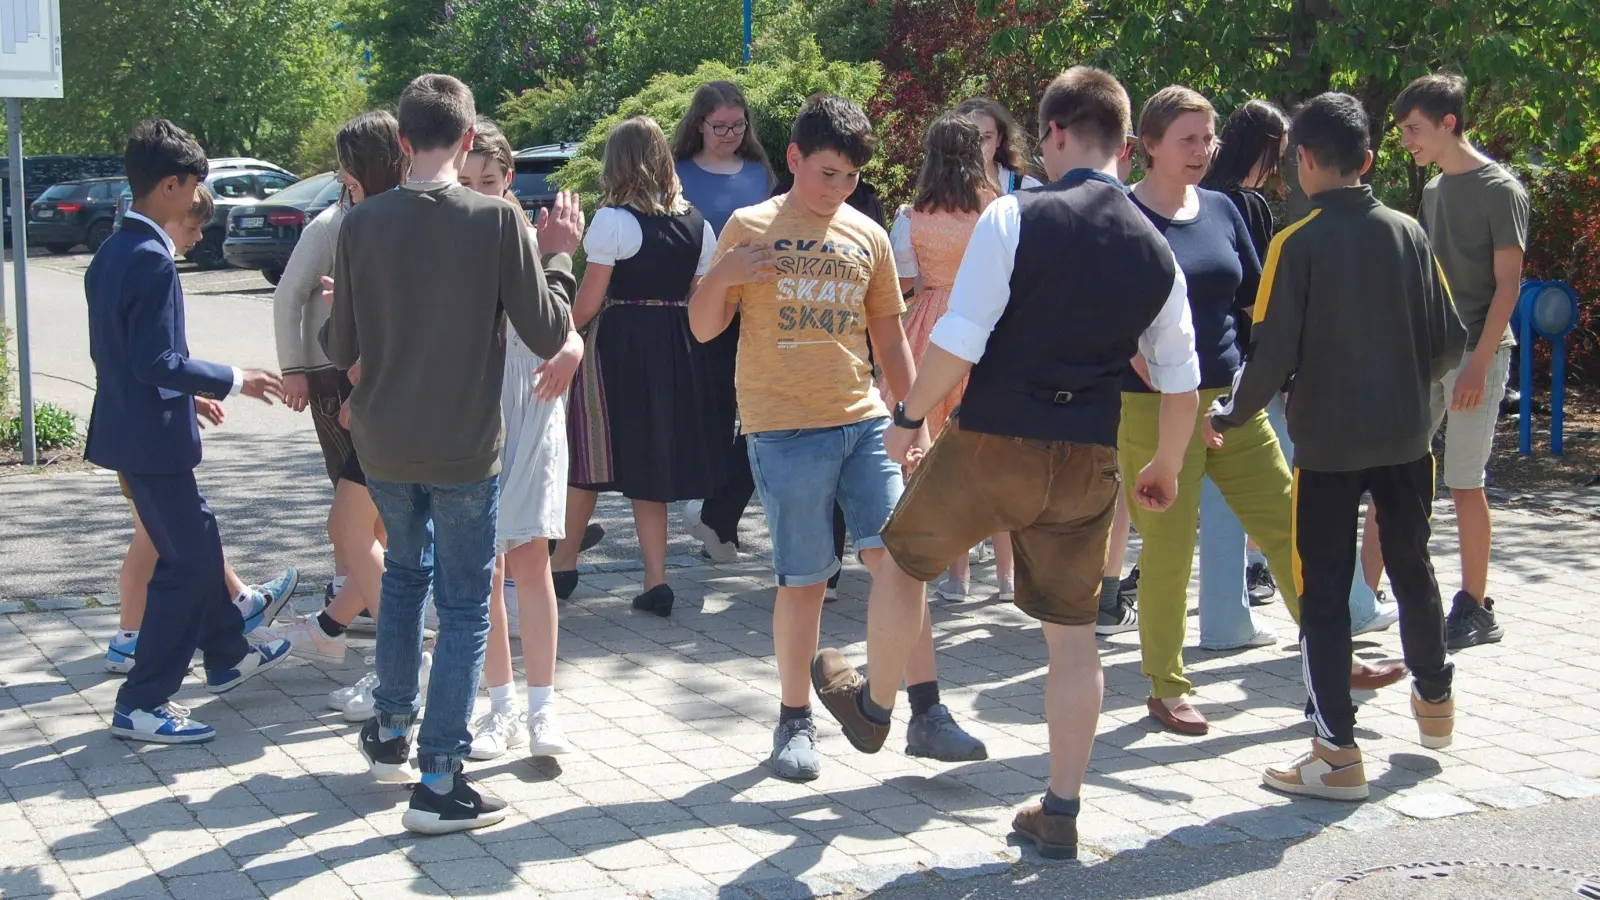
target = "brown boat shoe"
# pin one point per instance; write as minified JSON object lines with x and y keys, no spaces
{"x":1054,"y":837}
{"x":839,"y":686}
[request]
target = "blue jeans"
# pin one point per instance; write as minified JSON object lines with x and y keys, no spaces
{"x":443,"y":536}
{"x":1225,"y":618}
{"x":800,"y":474}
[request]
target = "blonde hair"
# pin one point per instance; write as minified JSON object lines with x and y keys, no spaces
{"x":638,"y":170}
{"x":203,"y":207}
{"x":1164,"y":108}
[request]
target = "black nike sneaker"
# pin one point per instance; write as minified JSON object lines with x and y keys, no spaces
{"x":462,"y":809}
{"x":389,"y":761}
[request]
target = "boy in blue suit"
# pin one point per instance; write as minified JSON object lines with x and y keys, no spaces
{"x":143,"y":426}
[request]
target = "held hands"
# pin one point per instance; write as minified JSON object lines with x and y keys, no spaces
{"x":1156,"y":487}
{"x":553,"y":378}
{"x":1471,"y":385}
{"x":296,"y":392}
{"x":327,"y":289}
{"x":208,"y":411}
{"x":907,"y":447}
{"x":747,"y":261}
{"x":1209,"y":433}
{"x":262,"y":385}
{"x":560,"y":227}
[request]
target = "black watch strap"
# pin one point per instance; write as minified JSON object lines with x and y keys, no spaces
{"x":901,"y":421}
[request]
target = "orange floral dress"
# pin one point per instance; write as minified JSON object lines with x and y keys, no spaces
{"x":938,"y":239}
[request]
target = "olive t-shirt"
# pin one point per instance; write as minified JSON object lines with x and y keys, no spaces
{"x":803,"y":359}
{"x":1468,"y":217}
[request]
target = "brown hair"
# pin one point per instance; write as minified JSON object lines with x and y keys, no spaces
{"x":488,"y":140}
{"x":1437,"y":96}
{"x":368,"y":147}
{"x":953,"y":176}
{"x":1163,"y":108}
{"x":435,"y":111}
{"x":1091,"y":104}
{"x":1012,"y":149}
{"x":687,"y":139}
{"x":203,"y":207}
{"x":637,"y":171}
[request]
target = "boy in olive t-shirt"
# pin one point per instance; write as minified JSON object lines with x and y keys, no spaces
{"x":1476,"y":216}
{"x":812,"y":279}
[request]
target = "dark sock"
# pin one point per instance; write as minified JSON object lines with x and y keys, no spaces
{"x":1056,"y":806}
{"x":874,"y":713}
{"x":923,"y":697}
{"x":328,"y":625}
{"x":786,"y":713}
{"x":1108,"y":593}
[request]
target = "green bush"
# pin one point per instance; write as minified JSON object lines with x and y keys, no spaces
{"x":53,"y":428}
{"x":775,"y":89}
{"x":561,"y":111}
{"x":5,"y":368}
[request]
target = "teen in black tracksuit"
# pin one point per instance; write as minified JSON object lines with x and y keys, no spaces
{"x":1353,"y":304}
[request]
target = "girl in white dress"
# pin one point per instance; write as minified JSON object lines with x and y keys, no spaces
{"x":533,"y":508}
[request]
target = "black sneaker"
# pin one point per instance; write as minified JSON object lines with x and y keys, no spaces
{"x":657,"y":600}
{"x":1469,"y":624}
{"x":1122,"y":617}
{"x":1129,"y":587}
{"x":463,"y":809}
{"x":1262,"y":586}
{"x":389,"y":761}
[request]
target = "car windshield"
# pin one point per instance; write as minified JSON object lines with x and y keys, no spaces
{"x":329,"y":194}
{"x":59,"y":191}
{"x":301,"y":193}
{"x":532,"y":184}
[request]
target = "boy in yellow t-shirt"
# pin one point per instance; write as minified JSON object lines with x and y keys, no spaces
{"x":813,"y":280}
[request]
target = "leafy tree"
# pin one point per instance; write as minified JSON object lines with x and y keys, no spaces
{"x":244,"y":76}
{"x":399,"y":32}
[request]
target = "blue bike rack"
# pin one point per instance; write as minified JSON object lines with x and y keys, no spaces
{"x":1550,"y":310}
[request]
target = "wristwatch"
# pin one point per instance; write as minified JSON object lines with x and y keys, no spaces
{"x":903,"y":421}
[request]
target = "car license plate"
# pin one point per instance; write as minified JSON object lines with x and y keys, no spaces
{"x":46,"y":213}
{"x":252,"y":221}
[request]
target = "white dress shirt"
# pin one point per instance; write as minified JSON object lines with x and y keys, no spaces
{"x":983,"y":288}
{"x":172,"y":251}
{"x":614,"y":235}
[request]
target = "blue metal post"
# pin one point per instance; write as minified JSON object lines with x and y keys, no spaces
{"x":749,"y":17}
{"x":1558,"y":391}
{"x":1525,"y":350}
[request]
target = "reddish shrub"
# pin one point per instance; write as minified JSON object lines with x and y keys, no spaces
{"x":1564,"y":245}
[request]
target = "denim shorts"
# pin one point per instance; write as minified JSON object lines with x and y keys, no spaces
{"x":801,"y":473}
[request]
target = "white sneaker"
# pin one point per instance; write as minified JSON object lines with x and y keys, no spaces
{"x":545,"y":737}
{"x":307,"y":639}
{"x":1008,"y":590}
{"x":1264,"y":637}
{"x":714,"y":547}
{"x":496,"y":732}
{"x":361,"y":707}
{"x":952,"y":590}
{"x":1387,"y":615}
{"x":339,"y":698}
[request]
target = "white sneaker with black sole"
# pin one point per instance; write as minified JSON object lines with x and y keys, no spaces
{"x":390,"y":760}
{"x":462,"y":809}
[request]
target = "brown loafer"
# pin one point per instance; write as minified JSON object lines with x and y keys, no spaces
{"x":1365,"y":676}
{"x":1181,"y":717}
{"x":1055,"y":837}
{"x":838,"y":685}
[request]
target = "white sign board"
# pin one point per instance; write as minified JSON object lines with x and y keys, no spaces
{"x":30,"y":48}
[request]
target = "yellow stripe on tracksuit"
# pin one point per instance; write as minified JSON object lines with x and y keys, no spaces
{"x":1269,"y":270}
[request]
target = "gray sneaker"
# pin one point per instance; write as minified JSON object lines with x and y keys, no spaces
{"x":794,"y":750}
{"x":935,"y":735}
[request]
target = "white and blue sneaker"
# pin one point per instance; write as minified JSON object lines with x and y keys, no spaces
{"x":119,"y":658}
{"x":260,"y":658}
{"x":270,"y":599}
{"x":166,"y":724}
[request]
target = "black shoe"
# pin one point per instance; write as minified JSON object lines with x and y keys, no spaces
{"x":1469,"y":624}
{"x":657,"y":600}
{"x":463,"y":809}
{"x":592,"y":535}
{"x":389,"y":761}
{"x":1123,"y":617}
{"x":1129,"y":587}
{"x":1262,"y":587}
{"x":565,"y":582}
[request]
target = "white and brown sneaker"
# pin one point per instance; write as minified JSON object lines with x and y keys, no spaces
{"x":1328,"y":771}
{"x":1436,"y":722}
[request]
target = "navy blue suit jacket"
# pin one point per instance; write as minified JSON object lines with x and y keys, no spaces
{"x":143,"y":420}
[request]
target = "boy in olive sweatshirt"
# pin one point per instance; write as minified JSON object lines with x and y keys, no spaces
{"x":1354,"y":306}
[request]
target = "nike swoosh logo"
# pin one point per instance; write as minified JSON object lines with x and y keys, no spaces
{"x":466,"y":804}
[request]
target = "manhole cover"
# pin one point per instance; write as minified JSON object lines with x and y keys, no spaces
{"x":1454,"y":880}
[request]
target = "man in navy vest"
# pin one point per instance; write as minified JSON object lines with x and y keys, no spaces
{"x":1060,"y":288}
{"x":143,"y":426}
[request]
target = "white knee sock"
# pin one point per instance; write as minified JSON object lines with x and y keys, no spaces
{"x":503,"y":698}
{"x":538,"y":697}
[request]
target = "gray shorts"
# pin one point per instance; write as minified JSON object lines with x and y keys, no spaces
{"x":1469,"y":434}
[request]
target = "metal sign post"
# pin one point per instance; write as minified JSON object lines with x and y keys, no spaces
{"x":30,"y":66}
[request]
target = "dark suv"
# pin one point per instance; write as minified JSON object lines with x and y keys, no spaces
{"x":41,"y":172}
{"x":532,"y":183}
{"x":73,"y":213}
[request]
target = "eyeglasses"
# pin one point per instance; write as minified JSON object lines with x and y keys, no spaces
{"x":725,"y":130}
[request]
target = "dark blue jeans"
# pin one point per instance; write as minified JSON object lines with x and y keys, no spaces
{"x":443,"y":535}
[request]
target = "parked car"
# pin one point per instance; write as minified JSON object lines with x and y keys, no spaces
{"x":73,"y":213}
{"x":40,"y":173}
{"x":262,"y":235}
{"x":532,"y":184}
{"x":215,"y":166}
{"x":231,"y":188}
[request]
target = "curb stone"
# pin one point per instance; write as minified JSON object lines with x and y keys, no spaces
{"x":1431,"y":806}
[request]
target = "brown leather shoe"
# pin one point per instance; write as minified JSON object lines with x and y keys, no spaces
{"x":838,"y":684}
{"x":1055,"y":837}
{"x":1365,"y":676}
{"x":1181,"y":717}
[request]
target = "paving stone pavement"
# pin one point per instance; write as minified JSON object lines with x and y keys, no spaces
{"x":668,"y":798}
